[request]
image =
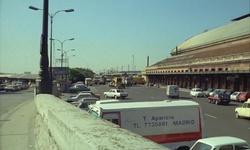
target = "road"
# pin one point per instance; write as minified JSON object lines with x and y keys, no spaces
{"x":17,"y":120}
{"x":17,"y":113}
{"x":219,"y":119}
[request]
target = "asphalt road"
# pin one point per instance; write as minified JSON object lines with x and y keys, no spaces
{"x":17,"y":112}
{"x":17,"y":120}
{"x":219,"y":119}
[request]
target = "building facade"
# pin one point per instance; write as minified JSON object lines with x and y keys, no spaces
{"x":219,"y":58}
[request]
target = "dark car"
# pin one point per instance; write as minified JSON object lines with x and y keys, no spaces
{"x":224,"y":96}
{"x":206,"y":93}
{"x":242,"y":97}
{"x":78,"y":87}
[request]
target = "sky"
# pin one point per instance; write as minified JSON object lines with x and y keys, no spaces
{"x":108,"y":34}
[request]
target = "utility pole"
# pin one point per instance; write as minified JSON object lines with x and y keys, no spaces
{"x":46,"y":81}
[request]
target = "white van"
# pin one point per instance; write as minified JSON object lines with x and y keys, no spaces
{"x":172,"y":91}
{"x":170,"y":123}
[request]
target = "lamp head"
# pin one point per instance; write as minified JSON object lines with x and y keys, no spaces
{"x":69,"y":10}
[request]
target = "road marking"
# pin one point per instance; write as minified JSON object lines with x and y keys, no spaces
{"x":211,"y":116}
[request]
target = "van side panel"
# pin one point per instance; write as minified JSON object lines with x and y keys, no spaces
{"x":172,"y":138}
{"x":167,"y":125}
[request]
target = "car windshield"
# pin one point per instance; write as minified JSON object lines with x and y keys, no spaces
{"x":202,"y":146}
{"x":80,"y":86}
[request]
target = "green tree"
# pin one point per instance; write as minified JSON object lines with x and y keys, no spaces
{"x":79,"y":74}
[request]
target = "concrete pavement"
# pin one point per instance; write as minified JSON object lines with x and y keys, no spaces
{"x":17,"y":128}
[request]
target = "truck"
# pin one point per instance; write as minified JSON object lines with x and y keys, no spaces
{"x":138,"y":80}
{"x":88,"y":81}
{"x":117,"y":83}
{"x":173,"y":124}
{"x":128,"y":81}
{"x":172,"y":91}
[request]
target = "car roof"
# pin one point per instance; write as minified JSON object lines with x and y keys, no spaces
{"x":85,"y":94}
{"x":221,"y":140}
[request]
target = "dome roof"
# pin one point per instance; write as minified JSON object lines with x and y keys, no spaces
{"x":234,"y":29}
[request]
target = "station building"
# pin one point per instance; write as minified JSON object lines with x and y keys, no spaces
{"x":218,"y":58}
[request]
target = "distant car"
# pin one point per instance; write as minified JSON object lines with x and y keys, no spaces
{"x":223,"y":97}
{"x":234,"y":96}
{"x":220,"y":143}
{"x":196,"y":92}
{"x":2,"y":86}
{"x":243,"y":111}
{"x":242,"y":97}
{"x":206,"y":93}
{"x":11,"y":88}
{"x":85,"y":102}
{"x":78,"y":97}
{"x":93,"y":94}
{"x":215,"y":91}
{"x":78,"y":87}
{"x":115,"y":93}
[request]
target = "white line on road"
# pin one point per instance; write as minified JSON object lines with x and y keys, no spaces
{"x":211,"y":116}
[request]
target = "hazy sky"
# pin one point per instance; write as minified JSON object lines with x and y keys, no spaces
{"x":108,"y":33}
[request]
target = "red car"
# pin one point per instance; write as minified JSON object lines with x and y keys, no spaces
{"x":242,"y":97}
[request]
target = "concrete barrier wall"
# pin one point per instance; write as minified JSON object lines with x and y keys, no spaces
{"x":74,"y":129}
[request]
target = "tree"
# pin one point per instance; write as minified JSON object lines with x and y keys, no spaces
{"x":79,"y":74}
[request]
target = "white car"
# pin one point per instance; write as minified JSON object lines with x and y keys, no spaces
{"x":243,"y":111}
{"x":115,"y":93}
{"x":220,"y":143}
{"x":234,"y":95}
{"x":197,"y":92}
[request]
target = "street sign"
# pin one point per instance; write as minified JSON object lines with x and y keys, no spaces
{"x":60,"y":70}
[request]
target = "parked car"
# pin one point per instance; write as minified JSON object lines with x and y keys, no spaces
{"x":115,"y":93}
{"x":223,"y":97}
{"x":93,"y":94}
{"x":78,"y":87}
{"x":220,"y":143}
{"x":2,"y":86}
{"x":244,"y":110}
{"x":78,"y":97}
{"x":11,"y":88}
{"x":227,"y":94}
{"x":243,"y":96}
{"x":215,"y":91}
{"x":206,"y":93}
{"x":196,"y":92}
{"x":234,"y":96}
{"x":85,"y":102}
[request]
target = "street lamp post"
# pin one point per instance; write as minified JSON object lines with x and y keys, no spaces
{"x":62,"y":48}
{"x":65,"y":53}
{"x":51,"y":26}
{"x":69,"y":57}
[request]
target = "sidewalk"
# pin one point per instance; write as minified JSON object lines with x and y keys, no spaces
{"x":17,"y":128}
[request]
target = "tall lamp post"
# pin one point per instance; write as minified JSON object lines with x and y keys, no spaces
{"x":65,"y":53}
{"x":62,"y":42}
{"x":51,"y":26}
{"x":69,"y":57}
